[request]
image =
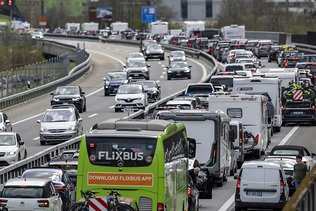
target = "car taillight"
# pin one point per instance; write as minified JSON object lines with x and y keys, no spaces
{"x":3,"y":202}
{"x":241,"y":136}
{"x":253,"y":70}
{"x":43,"y":203}
{"x":295,"y":59}
{"x":160,"y":207}
{"x":281,"y":186}
{"x":313,"y":107}
{"x":257,"y":139}
{"x":189,"y":192}
{"x":60,"y":187}
{"x":282,"y":107}
{"x":238,"y":186}
{"x":214,"y":153}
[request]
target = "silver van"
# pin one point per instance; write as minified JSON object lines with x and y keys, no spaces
{"x":261,"y":184}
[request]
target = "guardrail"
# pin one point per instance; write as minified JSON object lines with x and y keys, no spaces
{"x":304,"y":198}
{"x":305,"y":48}
{"x":45,"y":156}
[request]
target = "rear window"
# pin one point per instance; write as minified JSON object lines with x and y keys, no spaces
{"x":283,"y":152}
{"x":122,"y":152}
{"x":234,"y":112}
{"x":196,"y":89}
{"x":233,"y":68}
{"x":228,"y":82}
{"x":23,"y":192}
{"x":44,"y":174}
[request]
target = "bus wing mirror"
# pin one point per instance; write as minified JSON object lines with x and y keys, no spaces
{"x":192,"y":147}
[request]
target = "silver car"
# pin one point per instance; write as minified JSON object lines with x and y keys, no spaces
{"x":12,"y":148}
{"x":60,"y":124}
{"x":5,"y":123}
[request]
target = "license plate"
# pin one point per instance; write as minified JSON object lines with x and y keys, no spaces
{"x":298,"y":112}
{"x":253,"y":193}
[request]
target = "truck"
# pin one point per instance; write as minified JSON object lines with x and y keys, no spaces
{"x":190,"y":26}
{"x":119,"y":26}
{"x":298,"y":104}
{"x":158,"y":28}
{"x":72,"y":28}
{"x":90,"y":28}
{"x":233,"y":32}
{"x":175,"y":32}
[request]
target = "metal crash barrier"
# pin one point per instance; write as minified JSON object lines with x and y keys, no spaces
{"x":304,"y":198}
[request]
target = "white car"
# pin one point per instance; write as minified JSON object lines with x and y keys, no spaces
{"x":12,"y":148}
{"x":30,"y":194}
{"x":131,"y":96}
{"x":135,"y":56}
{"x":37,"y":35}
{"x":5,"y":123}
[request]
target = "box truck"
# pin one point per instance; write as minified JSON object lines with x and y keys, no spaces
{"x":158,"y":28}
{"x":119,"y":26}
{"x":233,"y":32}
{"x":190,"y":26}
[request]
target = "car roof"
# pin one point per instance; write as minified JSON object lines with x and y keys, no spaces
{"x":255,"y":164}
{"x":35,"y":182}
{"x":8,"y":133}
{"x":44,"y":169}
{"x":288,"y":147}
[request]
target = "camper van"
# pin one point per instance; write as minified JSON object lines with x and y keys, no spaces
{"x":258,"y":85}
{"x":252,"y":111}
{"x":213,"y":145}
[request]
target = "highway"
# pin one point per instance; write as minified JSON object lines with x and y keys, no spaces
{"x":111,"y":57}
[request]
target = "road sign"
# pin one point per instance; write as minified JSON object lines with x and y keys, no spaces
{"x":149,"y":14}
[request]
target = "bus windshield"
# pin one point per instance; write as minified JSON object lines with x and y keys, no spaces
{"x":121,"y":152}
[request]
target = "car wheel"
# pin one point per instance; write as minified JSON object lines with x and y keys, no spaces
{"x":19,"y":157}
{"x":277,"y":129}
{"x":25,"y":154}
{"x":80,"y":109}
{"x":168,"y":78}
{"x":43,"y":143}
{"x":106,"y":93}
{"x":85,"y":107}
{"x":117,"y":109}
{"x":225,"y":177}
{"x":189,"y":77}
{"x":257,"y":154}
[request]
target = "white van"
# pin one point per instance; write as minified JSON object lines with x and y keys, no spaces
{"x":211,"y":130}
{"x":238,"y":152}
{"x":258,"y":85}
{"x":252,"y":111}
{"x":262,"y":185}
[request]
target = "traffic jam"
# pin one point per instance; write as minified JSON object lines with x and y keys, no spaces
{"x":189,"y":147}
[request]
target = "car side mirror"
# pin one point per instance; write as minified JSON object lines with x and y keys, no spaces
{"x":52,"y":93}
{"x":80,"y":119}
{"x":192,"y":147}
{"x":21,"y":143}
{"x":313,"y":154}
{"x":83,"y":92}
{"x":38,"y":121}
{"x":104,"y":79}
{"x":124,"y":66}
{"x":148,"y":65}
{"x":7,"y":121}
{"x":190,"y":66}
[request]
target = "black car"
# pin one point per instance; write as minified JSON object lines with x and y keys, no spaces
{"x":69,"y":95}
{"x":179,"y":70}
{"x":112,"y":82}
{"x":137,"y":69}
{"x":60,"y":179}
{"x":152,"y":88}
{"x":154,"y":51}
{"x":274,"y":52}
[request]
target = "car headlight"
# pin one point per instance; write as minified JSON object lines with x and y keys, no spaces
{"x":43,"y":129}
{"x":75,"y":98}
{"x":12,"y":153}
{"x":56,"y":99}
{"x":118,"y":99}
{"x":72,"y":128}
{"x":187,"y":70}
{"x":147,"y":52}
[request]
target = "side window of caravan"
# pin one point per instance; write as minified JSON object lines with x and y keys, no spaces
{"x":234,"y":112}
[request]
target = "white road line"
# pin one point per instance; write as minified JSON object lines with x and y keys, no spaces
{"x":159,"y":62}
{"x":157,"y":81}
{"x":94,"y":92}
{"x":112,"y":106}
{"x":161,"y":76}
{"x":31,"y":117}
{"x":36,"y":138}
{"x":228,"y":204}
{"x":92,"y":115}
{"x":163,"y":65}
{"x":107,"y":55}
{"x":288,"y":136}
{"x":163,"y":73}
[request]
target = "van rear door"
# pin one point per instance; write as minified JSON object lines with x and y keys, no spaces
{"x":272,"y":185}
{"x":252,"y":184}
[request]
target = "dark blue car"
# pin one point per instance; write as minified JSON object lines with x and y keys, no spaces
{"x":113,"y":81}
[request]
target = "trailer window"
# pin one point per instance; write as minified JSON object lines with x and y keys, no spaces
{"x":234,"y":112}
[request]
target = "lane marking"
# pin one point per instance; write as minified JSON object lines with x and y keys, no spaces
{"x":157,"y":81}
{"x":107,"y":55}
{"x":228,"y":203}
{"x":231,"y":200}
{"x":288,"y":136}
{"x":112,"y":106}
{"x":36,"y":138}
{"x":203,"y":68}
{"x":163,"y":65}
{"x":92,"y":115}
{"x":26,"y":119}
{"x":163,"y":73}
{"x":94,"y":92}
{"x":159,"y":62}
{"x":161,"y":76}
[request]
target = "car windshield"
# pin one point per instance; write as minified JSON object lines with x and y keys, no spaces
{"x":130,"y":89}
{"x":7,"y":140}
{"x":23,"y":192}
{"x":136,"y":64}
{"x":232,"y":68}
{"x":67,"y":155}
{"x":117,"y":76}
{"x":252,"y":44}
{"x":285,"y":152}
{"x":148,"y":84}
{"x":65,"y":166}
{"x":135,"y":55}
{"x":177,"y":53}
{"x":155,"y":47}
{"x":291,"y":54}
{"x":69,"y":90}
{"x":44,"y":174}
{"x":178,"y":64}
{"x":58,"y":116}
